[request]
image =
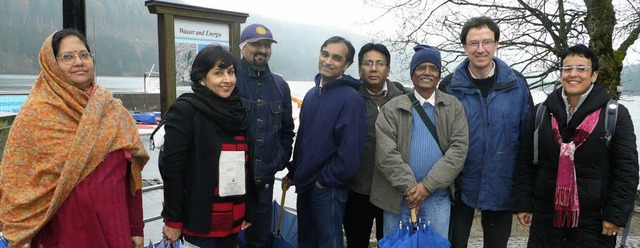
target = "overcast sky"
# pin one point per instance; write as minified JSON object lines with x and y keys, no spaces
{"x":349,"y":14}
{"x":353,"y":15}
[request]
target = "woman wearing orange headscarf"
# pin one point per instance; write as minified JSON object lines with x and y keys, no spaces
{"x":71,"y":170}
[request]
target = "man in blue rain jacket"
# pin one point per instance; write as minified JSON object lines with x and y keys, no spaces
{"x":497,"y":104}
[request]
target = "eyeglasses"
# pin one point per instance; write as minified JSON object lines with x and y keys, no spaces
{"x":475,"y":44}
{"x":422,"y":68}
{"x":579,"y":68}
{"x":69,"y":58}
{"x":370,"y":63}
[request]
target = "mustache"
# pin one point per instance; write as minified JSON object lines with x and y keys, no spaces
{"x":428,"y":77}
{"x":260,"y":54}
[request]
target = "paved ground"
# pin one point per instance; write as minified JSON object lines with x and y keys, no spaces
{"x":519,"y":234}
{"x":520,"y":242}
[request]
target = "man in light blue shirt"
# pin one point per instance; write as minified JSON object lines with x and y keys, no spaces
{"x":417,"y":162}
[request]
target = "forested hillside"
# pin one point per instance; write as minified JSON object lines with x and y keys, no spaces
{"x":123,"y":35}
{"x":124,"y":40}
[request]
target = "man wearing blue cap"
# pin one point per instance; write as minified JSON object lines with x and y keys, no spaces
{"x":421,"y":145}
{"x":497,"y":103}
{"x":267,"y":98}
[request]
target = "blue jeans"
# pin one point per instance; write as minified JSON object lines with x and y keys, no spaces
{"x":259,"y":234}
{"x":320,"y":215}
{"x":435,"y":210}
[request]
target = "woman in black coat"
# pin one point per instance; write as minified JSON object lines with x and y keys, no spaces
{"x":582,"y":191}
{"x":204,"y":140}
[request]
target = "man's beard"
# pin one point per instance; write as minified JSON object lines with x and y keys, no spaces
{"x":257,"y":63}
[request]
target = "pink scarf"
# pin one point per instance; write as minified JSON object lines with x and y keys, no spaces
{"x":567,"y":208}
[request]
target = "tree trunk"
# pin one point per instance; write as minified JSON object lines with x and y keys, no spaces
{"x":600,"y":22}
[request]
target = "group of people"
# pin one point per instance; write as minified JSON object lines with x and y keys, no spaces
{"x":367,"y":151}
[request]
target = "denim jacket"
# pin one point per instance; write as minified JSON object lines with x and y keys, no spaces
{"x":270,"y":134}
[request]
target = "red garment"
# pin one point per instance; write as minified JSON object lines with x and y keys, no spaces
{"x":566,"y":202}
{"x":99,"y":212}
{"x":227,"y":213}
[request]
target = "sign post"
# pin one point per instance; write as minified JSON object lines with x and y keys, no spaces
{"x":182,"y":31}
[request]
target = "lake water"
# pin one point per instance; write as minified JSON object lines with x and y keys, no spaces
{"x":21,"y":84}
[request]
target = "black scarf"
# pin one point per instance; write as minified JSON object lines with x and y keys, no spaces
{"x":228,"y":113}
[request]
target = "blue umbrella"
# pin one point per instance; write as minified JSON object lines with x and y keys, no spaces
{"x":162,"y":245}
{"x":400,"y":235}
{"x":425,"y":237}
{"x":290,"y":237}
{"x":3,"y":242}
{"x":414,"y":234}
{"x":286,"y":237}
{"x":433,"y":239}
{"x":242,"y":243}
{"x":390,"y":240}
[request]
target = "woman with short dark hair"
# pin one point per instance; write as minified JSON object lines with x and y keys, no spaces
{"x":204,"y":146}
{"x":582,"y":191}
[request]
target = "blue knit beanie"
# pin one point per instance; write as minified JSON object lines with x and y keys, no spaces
{"x":425,"y":53}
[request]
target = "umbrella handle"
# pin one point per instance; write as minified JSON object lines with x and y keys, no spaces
{"x":414,"y":217}
{"x":284,"y":193}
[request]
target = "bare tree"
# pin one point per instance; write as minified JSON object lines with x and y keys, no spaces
{"x":533,"y":32}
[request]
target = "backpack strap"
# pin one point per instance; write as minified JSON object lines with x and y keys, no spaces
{"x":610,"y":119}
{"x":541,"y":111}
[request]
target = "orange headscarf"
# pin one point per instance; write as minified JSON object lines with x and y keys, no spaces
{"x":61,"y":134}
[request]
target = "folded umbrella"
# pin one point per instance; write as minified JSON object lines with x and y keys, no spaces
{"x":397,"y":236}
{"x":400,"y":235}
{"x":433,"y":239}
{"x":3,"y":242}
{"x":162,"y":245}
{"x":425,"y":237}
{"x":277,"y":240}
{"x":414,"y":235}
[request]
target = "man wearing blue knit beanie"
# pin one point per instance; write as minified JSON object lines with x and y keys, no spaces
{"x":426,"y":53}
{"x":421,"y":145}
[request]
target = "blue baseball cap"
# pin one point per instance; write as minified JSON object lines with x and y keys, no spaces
{"x":256,"y":32}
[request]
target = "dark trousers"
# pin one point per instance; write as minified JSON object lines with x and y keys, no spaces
{"x":259,"y":234}
{"x":320,"y":216}
{"x":226,"y":242}
{"x":496,"y":226}
{"x":358,"y":219}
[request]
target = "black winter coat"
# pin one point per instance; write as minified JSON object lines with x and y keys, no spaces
{"x":193,"y":143}
{"x":607,"y":177}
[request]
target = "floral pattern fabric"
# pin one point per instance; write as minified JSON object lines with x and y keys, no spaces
{"x":61,"y":134}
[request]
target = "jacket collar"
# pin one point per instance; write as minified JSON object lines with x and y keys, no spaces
{"x":344,"y":80}
{"x":245,"y":67}
{"x":505,"y":78}
{"x":391,"y":87}
{"x":441,"y":100}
